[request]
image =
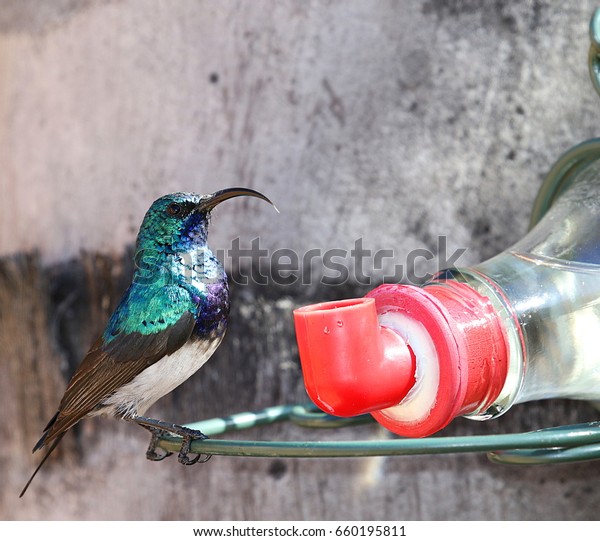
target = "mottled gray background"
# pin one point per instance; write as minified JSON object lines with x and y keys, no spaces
{"x":394,"y":122}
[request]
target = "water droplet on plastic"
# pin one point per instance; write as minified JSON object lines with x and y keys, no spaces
{"x":340,"y":323}
{"x":326,"y":330}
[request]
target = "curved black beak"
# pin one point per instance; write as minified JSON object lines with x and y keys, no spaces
{"x":211,"y":201}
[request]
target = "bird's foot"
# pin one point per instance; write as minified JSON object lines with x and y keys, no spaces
{"x":183,"y":456}
{"x":160,"y":428}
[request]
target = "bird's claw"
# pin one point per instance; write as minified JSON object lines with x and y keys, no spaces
{"x":183,"y":456}
{"x":157,"y":457}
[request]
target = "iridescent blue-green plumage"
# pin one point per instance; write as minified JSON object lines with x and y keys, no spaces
{"x":169,"y":322}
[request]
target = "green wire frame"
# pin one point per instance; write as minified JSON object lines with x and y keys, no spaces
{"x":547,"y":446}
{"x":572,"y":443}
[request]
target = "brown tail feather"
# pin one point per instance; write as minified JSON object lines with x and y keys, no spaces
{"x":52,"y":447}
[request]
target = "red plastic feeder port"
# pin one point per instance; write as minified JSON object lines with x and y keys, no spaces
{"x":351,"y":364}
{"x":415,"y":358}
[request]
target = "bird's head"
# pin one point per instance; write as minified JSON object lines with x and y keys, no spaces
{"x":179,"y":221}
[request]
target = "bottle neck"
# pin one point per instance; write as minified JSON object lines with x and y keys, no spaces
{"x":508,"y":321}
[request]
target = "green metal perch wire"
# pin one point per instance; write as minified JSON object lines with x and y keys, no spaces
{"x":547,"y":446}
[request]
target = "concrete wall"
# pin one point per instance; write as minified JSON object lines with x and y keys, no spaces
{"x":394,"y":122}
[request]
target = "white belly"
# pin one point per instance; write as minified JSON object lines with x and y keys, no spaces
{"x":157,"y":380}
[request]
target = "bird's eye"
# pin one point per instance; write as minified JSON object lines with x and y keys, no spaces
{"x":174,"y":209}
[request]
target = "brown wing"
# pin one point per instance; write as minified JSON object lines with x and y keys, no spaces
{"x":106,"y":368}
